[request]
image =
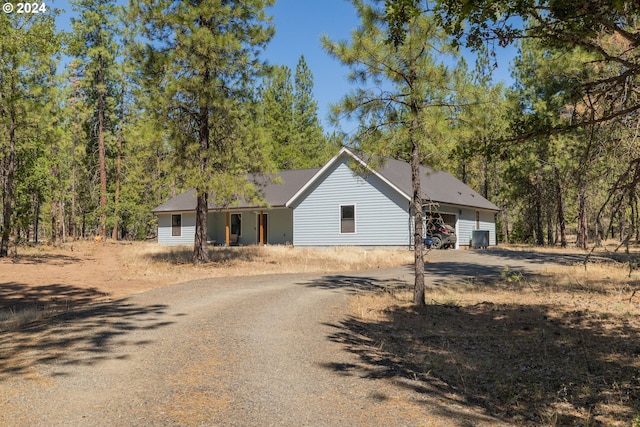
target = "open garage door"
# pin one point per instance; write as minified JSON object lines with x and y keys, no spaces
{"x":449,"y":219}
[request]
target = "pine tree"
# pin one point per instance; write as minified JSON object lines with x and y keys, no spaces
{"x":94,"y":43}
{"x":277,"y":116}
{"x":289,"y":116}
{"x":404,"y":93}
{"x":200,"y":65}
{"x":28,"y":47}
{"x":308,"y":137}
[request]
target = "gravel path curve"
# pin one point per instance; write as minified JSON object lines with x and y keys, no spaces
{"x":250,"y":351}
{"x":246,"y":351}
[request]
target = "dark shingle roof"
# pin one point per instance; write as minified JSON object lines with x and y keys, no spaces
{"x":275,"y":189}
{"x":438,"y":186}
{"x":182,"y":202}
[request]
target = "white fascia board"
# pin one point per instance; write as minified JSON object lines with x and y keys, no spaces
{"x":315,"y":177}
{"x":330,"y":163}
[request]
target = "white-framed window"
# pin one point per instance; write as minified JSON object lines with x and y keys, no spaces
{"x":347,"y":219}
{"x":176,"y":225}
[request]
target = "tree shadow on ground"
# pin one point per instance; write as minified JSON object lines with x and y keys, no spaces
{"x":526,"y":365}
{"x":354,"y":284}
{"x":217,"y":254}
{"x":547,"y":257}
{"x":36,"y":259}
{"x":62,"y":324}
{"x":17,"y":297}
{"x":447,"y":272}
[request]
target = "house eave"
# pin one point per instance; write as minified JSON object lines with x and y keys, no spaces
{"x":330,"y":163}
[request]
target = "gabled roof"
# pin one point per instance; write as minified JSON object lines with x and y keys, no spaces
{"x":288,"y":186}
{"x":344,"y":151}
{"x":437,"y":186}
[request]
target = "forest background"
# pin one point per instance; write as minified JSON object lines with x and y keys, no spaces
{"x":100,"y":124}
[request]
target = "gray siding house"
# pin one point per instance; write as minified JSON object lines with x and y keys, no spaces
{"x":346,"y":202}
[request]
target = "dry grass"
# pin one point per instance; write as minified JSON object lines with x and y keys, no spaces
{"x":43,"y":281}
{"x":558,"y":348}
{"x":155,"y":260}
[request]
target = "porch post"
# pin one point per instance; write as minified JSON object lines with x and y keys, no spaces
{"x":227,"y":231}
{"x":261,"y":228}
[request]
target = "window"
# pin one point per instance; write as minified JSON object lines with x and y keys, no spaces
{"x":176,"y":225}
{"x":477,"y":220}
{"x":348,"y":219}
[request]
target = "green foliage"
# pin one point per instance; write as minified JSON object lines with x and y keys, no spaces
{"x":276,"y":98}
{"x":198,"y":69}
{"x":289,"y":118}
{"x":307,"y":133}
{"x":404,"y":102}
{"x":93,"y":44}
{"x":394,"y":83}
{"x":26,"y":68}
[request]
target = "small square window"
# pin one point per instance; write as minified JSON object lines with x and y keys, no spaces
{"x":348,"y":219}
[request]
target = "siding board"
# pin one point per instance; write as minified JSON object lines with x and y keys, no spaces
{"x":188,"y":231}
{"x":467,"y":223}
{"x":381,"y":213}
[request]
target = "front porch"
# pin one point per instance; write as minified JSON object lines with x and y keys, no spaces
{"x":250,"y":227}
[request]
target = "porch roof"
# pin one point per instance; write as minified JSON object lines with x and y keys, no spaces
{"x":276,"y":189}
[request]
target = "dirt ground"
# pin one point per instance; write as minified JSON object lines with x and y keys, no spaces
{"x":531,"y":338}
{"x":97,"y":268}
{"x":80,"y":272}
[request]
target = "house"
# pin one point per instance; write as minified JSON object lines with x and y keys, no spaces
{"x":338,"y":204}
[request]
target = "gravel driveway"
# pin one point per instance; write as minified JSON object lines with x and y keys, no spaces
{"x":246,"y":351}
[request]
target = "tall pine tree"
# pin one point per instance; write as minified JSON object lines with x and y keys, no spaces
{"x":28,"y":47}
{"x":94,"y":43}
{"x":308,"y":137}
{"x":201,"y":61}
{"x":289,"y":116}
{"x":277,"y":116}
{"x":403,"y":100}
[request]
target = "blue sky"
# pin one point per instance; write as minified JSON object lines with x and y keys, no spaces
{"x":299,"y":26}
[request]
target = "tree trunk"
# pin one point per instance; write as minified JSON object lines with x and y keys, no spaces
{"x":8,"y":189}
{"x":505,"y":224}
{"x":114,"y":233}
{"x":200,"y":250}
{"x":418,"y":290}
{"x":102,"y":159}
{"x":55,"y":186}
{"x":560,"y":206}
{"x":73,"y":226}
{"x":486,"y":170}
{"x":550,"y":240}
{"x":538,"y":207}
{"x":634,"y":217}
{"x":581,"y":240}
{"x":116,"y":201}
{"x":54,"y":222}
{"x":36,"y":219}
